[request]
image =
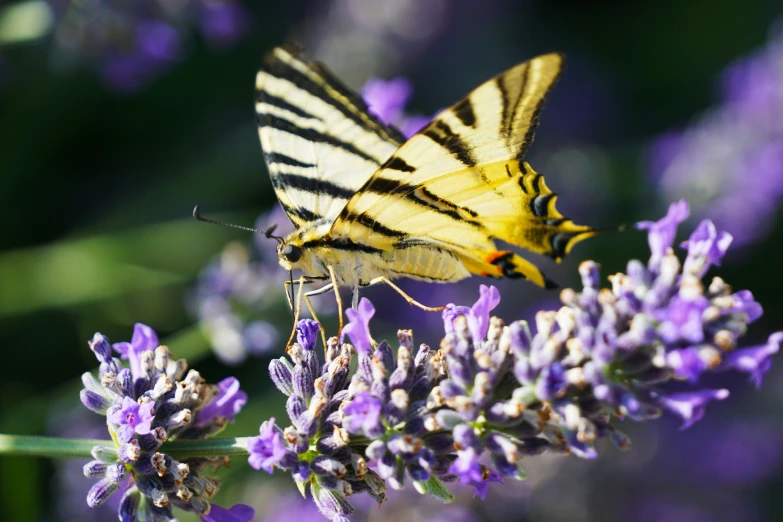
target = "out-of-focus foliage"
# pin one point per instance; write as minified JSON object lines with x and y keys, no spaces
{"x":98,"y":179}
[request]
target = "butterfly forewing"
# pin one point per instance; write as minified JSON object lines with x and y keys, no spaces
{"x":459,"y":183}
{"x":320,"y":143}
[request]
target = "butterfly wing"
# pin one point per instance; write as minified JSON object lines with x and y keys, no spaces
{"x":320,"y":143}
{"x":460,"y":183}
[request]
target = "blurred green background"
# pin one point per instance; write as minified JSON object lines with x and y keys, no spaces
{"x":97,"y":185}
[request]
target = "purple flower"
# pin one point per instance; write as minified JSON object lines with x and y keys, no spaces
{"x":686,"y":363}
{"x":744,"y":303}
{"x":735,"y":139}
{"x":690,"y":405}
{"x":236,"y":513}
{"x":467,"y":467}
{"x":268,"y":449}
{"x":662,"y":232}
{"x":478,"y":319}
{"x":170,"y":401}
{"x":100,"y":346}
{"x":682,"y":320}
{"x":706,"y":247}
{"x":307,"y":333}
{"x":144,"y":338}
{"x":482,"y":486}
{"x":450,"y":313}
{"x":387,"y":98}
{"x":132,"y":418}
{"x":477,"y":315}
{"x":224,"y":23}
{"x":363,"y":415}
{"x":159,"y":41}
{"x":755,"y":360}
{"x":358,"y":327}
{"x":227,"y":403}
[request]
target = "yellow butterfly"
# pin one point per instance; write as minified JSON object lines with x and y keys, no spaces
{"x":369,"y":206}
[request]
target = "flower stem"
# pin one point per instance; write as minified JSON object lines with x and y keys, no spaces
{"x":56,"y":447}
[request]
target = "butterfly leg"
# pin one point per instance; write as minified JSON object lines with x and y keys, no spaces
{"x":296,"y":309}
{"x":337,"y":298}
{"x":302,"y":280}
{"x":411,"y":301}
{"x":355,"y":297}
{"x":319,"y":291}
{"x":300,"y":295}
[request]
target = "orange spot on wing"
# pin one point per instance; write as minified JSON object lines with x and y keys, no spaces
{"x":494,"y":256}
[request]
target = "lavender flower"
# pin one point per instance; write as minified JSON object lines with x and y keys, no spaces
{"x":133,"y":43}
{"x":152,"y":402}
{"x":494,"y":394}
{"x":387,"y":98}
{"x":229,"y":299}
{"x":730,"y":159}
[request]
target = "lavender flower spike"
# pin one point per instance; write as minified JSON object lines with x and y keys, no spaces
{"x":495,"y":394}
{"x":154,"y":401}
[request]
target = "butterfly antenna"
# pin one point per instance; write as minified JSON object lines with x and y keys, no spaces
{"x":199,"y":217}
{"x":268,"y":233}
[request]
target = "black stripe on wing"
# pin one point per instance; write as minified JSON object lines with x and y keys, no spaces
{"x":440,"y":132}
{"x":276,"y":101}
{"x":359,"y":115}
{"x":302,"y":214}
{"x":284,"y":181}
{"x":281,"y":159}
{"x":341,"y":244}
{"x":375,"y":226}
{"x":419,"y":195}
{"x":315,"y":136}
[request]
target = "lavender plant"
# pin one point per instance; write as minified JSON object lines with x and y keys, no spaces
{"x":366,"y":418}
{"x":132,"y":43}
{"x":708,"y":161}
{"x":494,"y":393}
{"x":155,"y":400}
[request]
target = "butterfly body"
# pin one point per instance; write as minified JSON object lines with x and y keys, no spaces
{"x":369,"y":205}
{"x":356,"y":264}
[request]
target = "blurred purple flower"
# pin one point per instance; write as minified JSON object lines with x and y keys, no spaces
{"x":661,"y":233}
{"x":691,"y":405}
{"x":756,"y":360}
{"x":133,"y":43}
{"x":387,"y":98}
{"x":482,"y":486}
{"x":236,"y":513}
{"x":729,"y":163}
{"x":229,"y":298}
{"x":681,"y":320}
{"x":223,"y":23}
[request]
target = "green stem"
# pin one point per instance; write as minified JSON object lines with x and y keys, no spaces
{"x":53,"y":447}
{"x":56,"y":447}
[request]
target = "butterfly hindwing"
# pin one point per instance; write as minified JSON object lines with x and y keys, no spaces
{"x":320,"y":143}
{"x":460,"y":183}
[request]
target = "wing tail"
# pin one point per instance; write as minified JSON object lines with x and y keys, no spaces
{"x":503,"y":263}
{"x":527,"y":216}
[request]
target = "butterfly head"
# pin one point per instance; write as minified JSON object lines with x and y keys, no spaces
{"x":289,"y":255}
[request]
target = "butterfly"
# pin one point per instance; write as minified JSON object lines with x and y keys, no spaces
{"x":369,"y":206}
